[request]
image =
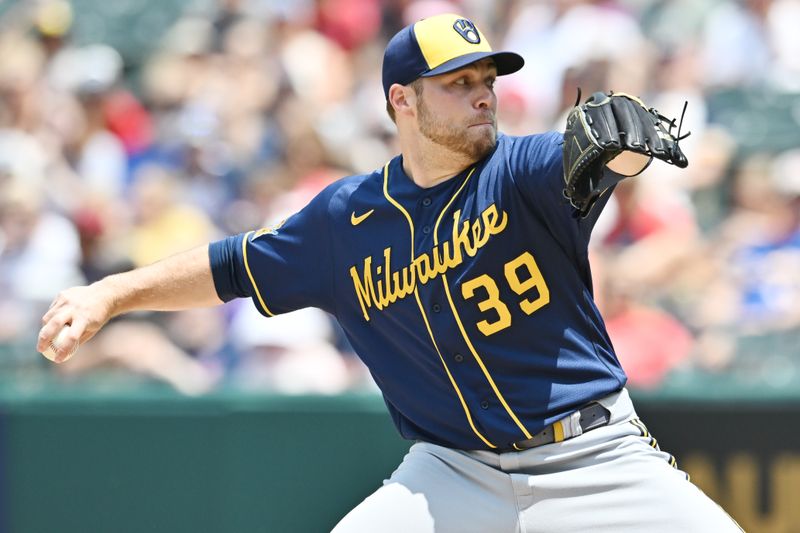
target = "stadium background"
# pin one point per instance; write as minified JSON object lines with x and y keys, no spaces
{"x":133,"y":129}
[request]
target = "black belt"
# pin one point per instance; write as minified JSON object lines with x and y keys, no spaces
{"x":591,"y":417}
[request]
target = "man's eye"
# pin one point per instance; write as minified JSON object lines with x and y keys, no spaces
{"x":490,"y":83}
{"x":461,"y":81}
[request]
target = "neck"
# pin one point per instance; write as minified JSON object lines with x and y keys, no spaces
{"x":428,"y":163}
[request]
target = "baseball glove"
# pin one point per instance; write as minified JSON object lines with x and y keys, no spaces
{"x":601,"y":128}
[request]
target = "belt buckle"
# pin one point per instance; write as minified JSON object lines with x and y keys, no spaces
{"x":563,"y":429}
{"x":568,"y":427}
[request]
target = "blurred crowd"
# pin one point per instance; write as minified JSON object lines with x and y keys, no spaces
{"x":113,"y":156}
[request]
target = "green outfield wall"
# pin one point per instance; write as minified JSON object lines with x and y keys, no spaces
{"x":155,"y":462}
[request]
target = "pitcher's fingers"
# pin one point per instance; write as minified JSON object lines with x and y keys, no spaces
{"x":80,"y":329}
{"x":55,"y":307}
{"x":50,"y":330}
{"x":74,"y":332}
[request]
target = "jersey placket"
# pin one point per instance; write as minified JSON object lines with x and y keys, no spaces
{"x":416,"y":248}
{"x":434,"y":306}
{"x":491,"y":396}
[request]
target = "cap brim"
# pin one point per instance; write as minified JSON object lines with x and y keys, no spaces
{"x":506,"y":62}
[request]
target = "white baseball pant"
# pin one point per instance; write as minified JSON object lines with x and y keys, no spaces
{"x":612,"y":479}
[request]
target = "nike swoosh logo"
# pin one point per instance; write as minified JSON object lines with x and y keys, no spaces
{"x":356,"y":220}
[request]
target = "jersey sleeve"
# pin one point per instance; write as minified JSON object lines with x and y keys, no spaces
{"x":282,"y":268}
{"x":537,"y":166}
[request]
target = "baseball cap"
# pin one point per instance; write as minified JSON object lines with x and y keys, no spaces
{"x":436,"y":45}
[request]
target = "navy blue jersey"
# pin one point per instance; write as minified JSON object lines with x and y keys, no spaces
{"x":470,"y":301}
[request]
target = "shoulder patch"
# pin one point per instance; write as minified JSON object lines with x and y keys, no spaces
{"x":268,"y":230}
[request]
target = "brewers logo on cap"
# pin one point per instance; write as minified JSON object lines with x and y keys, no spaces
{"x":467,"y":30}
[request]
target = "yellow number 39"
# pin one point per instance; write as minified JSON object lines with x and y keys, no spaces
{"x":523,"y":275}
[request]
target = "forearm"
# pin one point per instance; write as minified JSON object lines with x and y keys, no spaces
{"x":178,"y":282}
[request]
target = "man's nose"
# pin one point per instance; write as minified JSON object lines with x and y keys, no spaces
{"x":485,"y":98}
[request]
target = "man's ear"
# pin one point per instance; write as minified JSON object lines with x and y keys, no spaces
{"x":403,"y":99}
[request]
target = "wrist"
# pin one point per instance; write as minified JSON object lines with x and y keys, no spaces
{"x":628,"y":163}
{"x":110,"y":292}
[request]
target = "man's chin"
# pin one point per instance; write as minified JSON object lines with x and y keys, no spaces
{"x":487,"y":131}
{"x":475,"y":142}
{"x":485,"y":143}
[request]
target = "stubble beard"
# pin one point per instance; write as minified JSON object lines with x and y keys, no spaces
{"x":474,"y":143}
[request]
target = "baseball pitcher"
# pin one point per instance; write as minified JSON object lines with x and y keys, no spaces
{"x":459,"y":272}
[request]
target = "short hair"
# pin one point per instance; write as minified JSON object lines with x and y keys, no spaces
{"x":417,"y":86}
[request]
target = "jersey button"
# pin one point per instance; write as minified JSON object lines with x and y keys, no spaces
{"x":436,"y":308}
{"x":459,"y":358}
{"x":426,"y":229}
{"x":484,"y":404}
{"x":426,"y":201}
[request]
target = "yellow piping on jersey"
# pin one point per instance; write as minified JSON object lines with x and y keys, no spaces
{"x":250,"y":274}
{"x":450,"y":376}
{"x":425,"y":317}
{"x":461,"y":326}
